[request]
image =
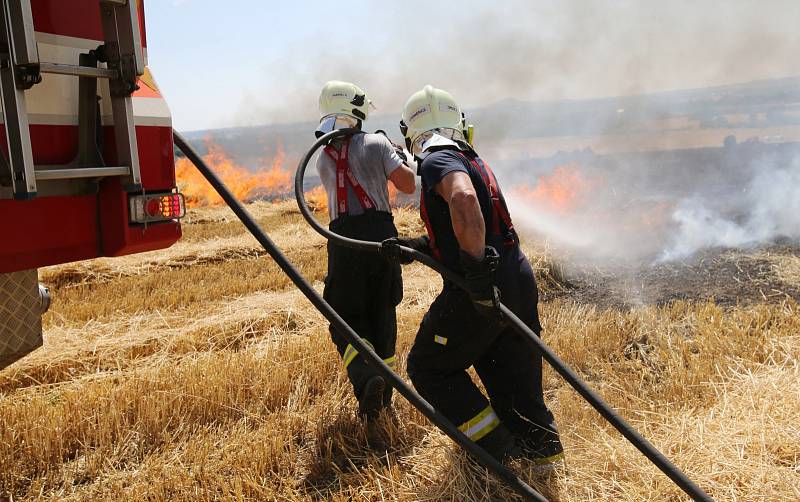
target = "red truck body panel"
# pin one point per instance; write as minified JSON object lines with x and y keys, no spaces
{"x":75,"y":18}
{"x":49,"y":230}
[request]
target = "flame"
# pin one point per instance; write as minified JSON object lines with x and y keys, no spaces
{"x":317,"y":199}
{"x":271,"y":181}
{"x":559,"y":192}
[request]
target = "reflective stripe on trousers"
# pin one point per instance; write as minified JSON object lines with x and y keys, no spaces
{"x":351,"y":352}
{"x":480,"y":425}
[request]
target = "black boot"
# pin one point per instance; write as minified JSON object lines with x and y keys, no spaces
{"x":500,"y":444}
{"x":545,"y":450}
{"x":371,"y":400}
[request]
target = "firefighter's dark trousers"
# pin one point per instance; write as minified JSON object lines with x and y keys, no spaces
{"x":453,"y":337}
{"x":364,"y":289}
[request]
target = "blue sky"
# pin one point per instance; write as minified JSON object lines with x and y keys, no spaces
{"x":247,"y":62}
{"x":212,"y":59}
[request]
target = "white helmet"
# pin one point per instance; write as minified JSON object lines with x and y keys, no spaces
{"x":431,"y":117}
{"x":341,"y":104}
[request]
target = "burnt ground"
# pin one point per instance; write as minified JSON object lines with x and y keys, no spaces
{"x":726,"y":276}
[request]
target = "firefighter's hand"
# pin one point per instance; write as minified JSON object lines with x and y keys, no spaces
{"x":401,"y":153}
{"x":390,"y":248}
{"x":479,"y":281}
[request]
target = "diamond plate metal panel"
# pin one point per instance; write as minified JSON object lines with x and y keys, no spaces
{"x":20,"y":318}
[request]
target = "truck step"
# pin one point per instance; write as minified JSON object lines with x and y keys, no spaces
{"x":81,"y":172}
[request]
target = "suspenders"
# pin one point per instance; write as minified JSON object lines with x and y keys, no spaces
{"x":499,"y":208}
{"x":344,"y":176}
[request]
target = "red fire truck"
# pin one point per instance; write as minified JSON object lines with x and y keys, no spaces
{"x":87,"y":166}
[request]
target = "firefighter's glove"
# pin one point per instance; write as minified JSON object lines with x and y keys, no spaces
{"x":390,"y":248}
{"x":401,"y":153}
{"x":479,"y":281}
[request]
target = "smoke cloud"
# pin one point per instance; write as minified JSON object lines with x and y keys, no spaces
{"x":767,"y":209}
{"x":557,"y":49}
{"x":507,"y":55}
{"x":668,"y":215}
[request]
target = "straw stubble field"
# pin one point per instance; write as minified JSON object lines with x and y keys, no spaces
{"x":200,"y":373}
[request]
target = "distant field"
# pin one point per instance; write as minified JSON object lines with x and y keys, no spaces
{"x":645,"y":140}
{"x":200,"y":373}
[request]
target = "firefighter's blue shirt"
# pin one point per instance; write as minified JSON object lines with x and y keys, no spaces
{"x":432,"y":169}
{"x":514,"y":275}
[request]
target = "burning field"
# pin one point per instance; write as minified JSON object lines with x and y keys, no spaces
{"x":271,"y":181}
{"x":625,"y":250}
{"x":200,"y":373}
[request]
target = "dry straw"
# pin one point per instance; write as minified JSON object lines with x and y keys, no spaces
{"x":198,"y":373}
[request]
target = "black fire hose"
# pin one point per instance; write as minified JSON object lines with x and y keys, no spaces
{"x":355,"y":340}
{"x":592,"y":397}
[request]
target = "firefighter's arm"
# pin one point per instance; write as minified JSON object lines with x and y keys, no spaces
{"x":465,"y":212}
{"x":404,"y":179}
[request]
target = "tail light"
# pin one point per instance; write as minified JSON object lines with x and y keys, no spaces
{"x":162,"y":207}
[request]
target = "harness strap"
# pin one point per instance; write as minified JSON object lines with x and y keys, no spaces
{"x":344,"y":176}
{"x":423,"y":212}
{"x":499,"y":208}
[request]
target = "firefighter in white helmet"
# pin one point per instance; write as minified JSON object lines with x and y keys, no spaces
{"x":470,"y":231}
{"x":361,"y":286}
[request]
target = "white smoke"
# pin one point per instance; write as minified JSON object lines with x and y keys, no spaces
{"x":768,"y":208}
{"x":483,"y":52}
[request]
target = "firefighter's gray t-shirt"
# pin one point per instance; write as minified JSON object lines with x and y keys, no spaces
{"x":372,"y":159}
